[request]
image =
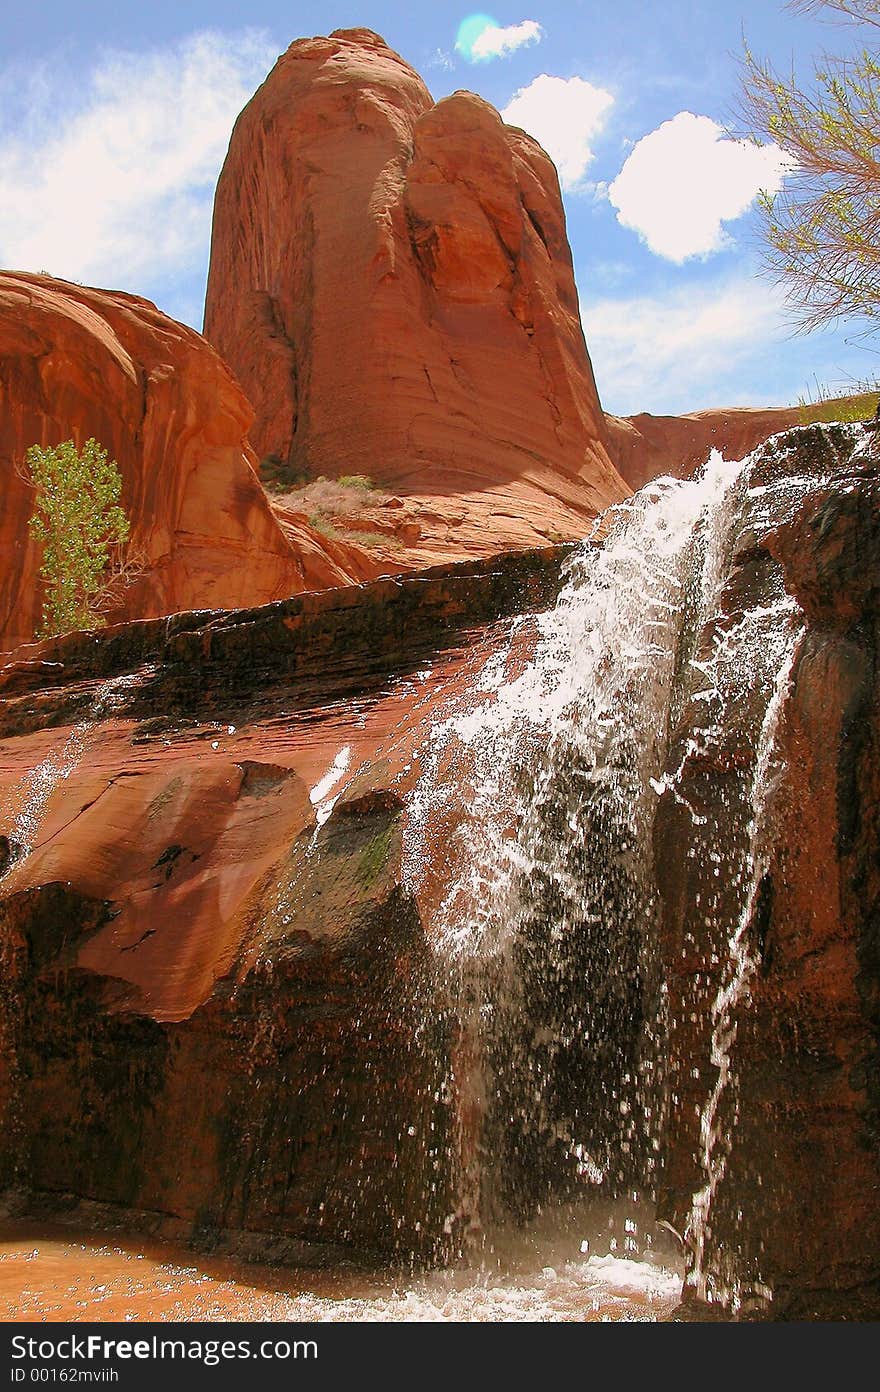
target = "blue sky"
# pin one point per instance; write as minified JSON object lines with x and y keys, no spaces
{"x":114,"y":120}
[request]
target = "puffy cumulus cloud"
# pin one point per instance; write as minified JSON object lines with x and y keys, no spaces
{"x":683,"y":181}
{"x":684,"y":349}
{"x":112,"y":180}
{"x":564,"y":115}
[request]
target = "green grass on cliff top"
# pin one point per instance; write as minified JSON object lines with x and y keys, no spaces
{"x":824,"y":407}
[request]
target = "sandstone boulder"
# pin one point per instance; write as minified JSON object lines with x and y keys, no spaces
{"x":218,"y":1005}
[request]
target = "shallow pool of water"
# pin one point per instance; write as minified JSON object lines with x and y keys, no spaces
{"x":57,"y":1272}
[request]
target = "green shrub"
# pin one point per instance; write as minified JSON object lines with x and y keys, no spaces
{"x":322,"y":524}
{"x":82,"y":528}
{"x":366,"y":485}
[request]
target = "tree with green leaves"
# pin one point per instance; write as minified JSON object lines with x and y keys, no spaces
{"x":82,"y":527}
{"x":822,"y":230}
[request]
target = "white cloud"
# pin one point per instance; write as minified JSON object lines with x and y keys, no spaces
{"x":684,"y":349}
{"x":497,"y":42}
{"x":440,"y":59}
{"x":564,"y":115}
{"x":113,"y":181}
{"x":681,"y":182}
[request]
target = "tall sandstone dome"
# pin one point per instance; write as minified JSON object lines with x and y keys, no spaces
{"x":391,"y":281}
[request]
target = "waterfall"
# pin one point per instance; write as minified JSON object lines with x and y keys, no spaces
{"x":739,"y":968}
{"x":21,"y":819}
{"x":538,"y":797}
{"x":26,"y":805}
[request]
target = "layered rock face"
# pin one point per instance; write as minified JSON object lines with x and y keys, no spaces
{"x":645,"y":447}
{"x":391,"y":282}
{"x":76,"y":363}
{"x":217,"y":1003}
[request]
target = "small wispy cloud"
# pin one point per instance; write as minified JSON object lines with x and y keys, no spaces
{"x":564,"y":115}
{"x":441,"y":59}
{"x":683,"y":348}
{"x":480,"y":38}
{"x":681,"y":183}
{"x":111,"y":179}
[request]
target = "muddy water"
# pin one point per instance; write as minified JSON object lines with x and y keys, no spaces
{"x":53,"y":1272}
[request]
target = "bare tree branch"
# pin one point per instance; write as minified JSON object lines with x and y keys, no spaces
{"x":822,"y":231}
{"x":859,"y":11}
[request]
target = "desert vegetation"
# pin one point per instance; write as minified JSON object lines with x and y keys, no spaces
{"x":83,"y":531}
{"x":336,"y":507}
{"x":821,"y":232}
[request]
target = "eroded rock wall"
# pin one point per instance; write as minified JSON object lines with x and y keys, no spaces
{"x":76,"y":363}
{"x":217,"y":1003}
{"x":645,"y":447}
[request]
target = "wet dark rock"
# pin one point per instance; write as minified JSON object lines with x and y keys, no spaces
{"x":215,"y":1010}
{"x":219,"y":1002}
{"x":794,"y":1227}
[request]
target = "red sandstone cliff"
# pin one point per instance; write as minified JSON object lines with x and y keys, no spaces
{"x":644,"y":447}
{"x":392,"y":284}
{"x":76,"y":363}
{"x":261,"y":1043}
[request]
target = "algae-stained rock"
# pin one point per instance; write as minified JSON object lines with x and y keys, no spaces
{"x":217,"y":1004}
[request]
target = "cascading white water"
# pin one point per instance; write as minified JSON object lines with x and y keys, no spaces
{"x":597,"y":686}
{"x":21,"y":819}
{"x":560,"y":767}
{"x":741,"y":965}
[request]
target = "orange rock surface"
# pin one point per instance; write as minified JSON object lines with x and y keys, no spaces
{"x":75,"y":363}
{"x":219,"y":840}
{"x":392,"y":284}
{"x":644,"y":447}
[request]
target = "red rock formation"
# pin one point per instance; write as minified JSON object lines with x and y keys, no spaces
{"x":76,"y":363}
{"x":644,"y":447}
{"x":219,"y":1008}
{"x":391,"y":282}
{"x":246,"y":983}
